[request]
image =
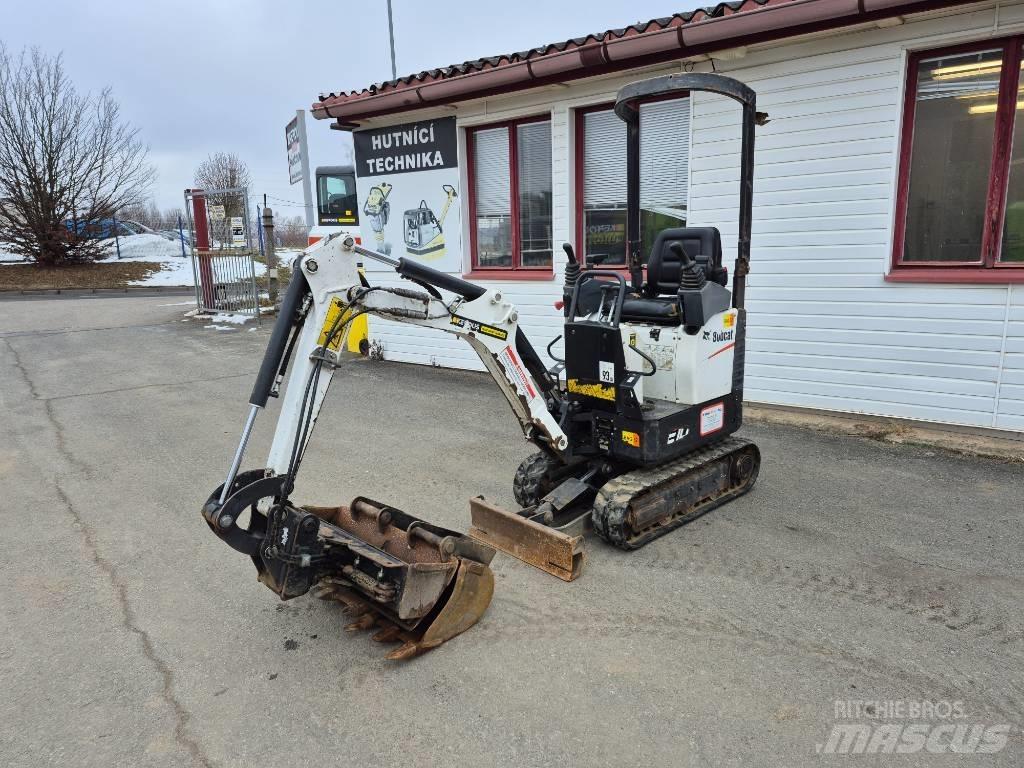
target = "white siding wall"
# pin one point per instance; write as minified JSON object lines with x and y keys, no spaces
{"x":1011,"y":387}
{"x":826,"y":330}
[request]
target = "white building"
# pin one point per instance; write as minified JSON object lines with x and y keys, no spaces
{"x":888,"y":242}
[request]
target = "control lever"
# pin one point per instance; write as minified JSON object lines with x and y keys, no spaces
{"x":691,"y":276}
{"x":570,"y":254}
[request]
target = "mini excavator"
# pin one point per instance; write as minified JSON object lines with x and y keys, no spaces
{"x":633,"y":427}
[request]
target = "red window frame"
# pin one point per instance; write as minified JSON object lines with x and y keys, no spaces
{"x":579,"y":137}
{"x":517,"y":270}
{"x":988,"y":268}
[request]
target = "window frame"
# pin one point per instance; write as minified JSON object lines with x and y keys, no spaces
{"x":988,"y":268}
{"x":579,"y":171}
{"x":520,"y":271}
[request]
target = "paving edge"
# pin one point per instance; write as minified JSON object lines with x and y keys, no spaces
{"x":966,"y":441}
{"x":174,"y":289}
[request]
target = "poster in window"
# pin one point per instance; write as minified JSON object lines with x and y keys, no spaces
{"x":407,"y":177}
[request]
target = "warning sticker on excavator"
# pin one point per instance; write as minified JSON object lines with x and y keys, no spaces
{"x":729,"y":321}
{"x":631,"y":438}
{"x":510,"y":362}
{"x":334,"y":312}
{"x":712,"y":419}
{"x":478,"y":327}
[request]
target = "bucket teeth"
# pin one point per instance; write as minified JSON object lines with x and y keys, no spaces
{"x":407,"y":651}
{"x":388,"y":635}
{"x":365,"y":621}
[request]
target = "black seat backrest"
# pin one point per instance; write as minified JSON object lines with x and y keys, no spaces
{"x":701,"y":243}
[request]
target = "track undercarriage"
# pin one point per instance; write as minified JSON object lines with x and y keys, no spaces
{"x":627,"y":509}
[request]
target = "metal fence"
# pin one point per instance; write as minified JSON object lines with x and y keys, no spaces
{"x":224,"y":248}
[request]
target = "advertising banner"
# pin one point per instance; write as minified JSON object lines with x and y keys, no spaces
{"x":407,"y":177}
{"x":293,"y":141}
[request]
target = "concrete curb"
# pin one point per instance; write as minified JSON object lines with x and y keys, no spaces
{"x":966,"y":441}
{"x":173,"y":290}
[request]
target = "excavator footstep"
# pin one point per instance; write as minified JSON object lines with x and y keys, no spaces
{"x":541,"y":546}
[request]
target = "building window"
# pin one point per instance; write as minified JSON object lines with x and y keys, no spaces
{"x":960,"y":203}
{"x":510,"y":205}
{"x":601,"y":175}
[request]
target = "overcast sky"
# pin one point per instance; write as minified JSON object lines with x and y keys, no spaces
{"x":202,"y":76}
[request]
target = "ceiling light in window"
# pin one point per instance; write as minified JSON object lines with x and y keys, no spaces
{"x":967,"y":70}
{"x":986,"y":109}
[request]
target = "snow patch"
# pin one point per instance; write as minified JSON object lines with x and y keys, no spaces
{"x":230,"y":318}
{"x":175,"y":269}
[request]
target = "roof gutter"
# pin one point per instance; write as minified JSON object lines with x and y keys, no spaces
{"x":768,"y":22}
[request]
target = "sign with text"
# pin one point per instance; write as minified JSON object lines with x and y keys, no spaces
{"x":293,"y":140}
{"x":421,"y":146}
{"x":407,"y":179}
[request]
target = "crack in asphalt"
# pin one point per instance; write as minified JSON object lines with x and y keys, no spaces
{"x":129,"y":621}
{"x":147,"y":386}
{"x":63,"y":331}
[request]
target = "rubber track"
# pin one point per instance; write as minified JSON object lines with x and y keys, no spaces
{"x":529,"y":478}
{"x":614,"y":498}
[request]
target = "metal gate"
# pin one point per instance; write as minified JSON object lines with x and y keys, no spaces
{"x":224,"y":251}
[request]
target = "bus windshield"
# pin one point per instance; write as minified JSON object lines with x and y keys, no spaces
{"x":336,"y":199}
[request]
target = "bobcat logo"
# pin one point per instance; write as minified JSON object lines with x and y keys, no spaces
{"x":707,"y":335}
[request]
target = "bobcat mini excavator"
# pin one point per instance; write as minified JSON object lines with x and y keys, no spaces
{"x":632,"y":427}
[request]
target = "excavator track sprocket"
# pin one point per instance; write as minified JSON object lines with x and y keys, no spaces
{"x":639,"y":506}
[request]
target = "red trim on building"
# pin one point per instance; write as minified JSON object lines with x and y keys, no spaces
{"x":979,"y":275}
{"x":986,"y":268}
{"x":657,"y":41}
{"x":499,"y":273}
{"x":517,"y":271}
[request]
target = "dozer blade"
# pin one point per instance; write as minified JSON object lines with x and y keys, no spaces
{"x":558,"y":553}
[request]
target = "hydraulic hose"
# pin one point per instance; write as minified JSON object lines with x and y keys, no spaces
{"x":297,"y":291}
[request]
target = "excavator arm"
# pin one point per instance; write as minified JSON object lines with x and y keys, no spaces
{"x":335,"y":294}
{"x":423,"y":583}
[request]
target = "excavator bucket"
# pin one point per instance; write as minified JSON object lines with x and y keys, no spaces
{"x":418,"y":584}
{"x":528,"y":537}
{"x":415,"y":583}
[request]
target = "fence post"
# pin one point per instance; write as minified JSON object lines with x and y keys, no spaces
{"x":271,"y":257}
{"x":202,"y":247}
{"x":181,"y":236}
{"x":259,"y":228}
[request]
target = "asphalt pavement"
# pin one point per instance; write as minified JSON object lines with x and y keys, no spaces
{"x":858,"y":584}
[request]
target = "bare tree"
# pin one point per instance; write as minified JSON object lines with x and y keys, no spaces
{"x":149,"y":214}
{"x":291,"y":231}
{"x":68,"y":162}
{"x":224,"y":170}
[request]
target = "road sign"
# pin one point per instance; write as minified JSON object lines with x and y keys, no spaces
{"x":293,"y":140}
{"x":237,"y":232}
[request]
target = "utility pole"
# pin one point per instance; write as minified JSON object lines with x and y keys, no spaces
{"x":270,"y":255}
{"x":307,"y":182}
{"x":391,"y":35}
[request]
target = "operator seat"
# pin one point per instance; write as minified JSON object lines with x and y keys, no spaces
{"x":659,"y":302}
